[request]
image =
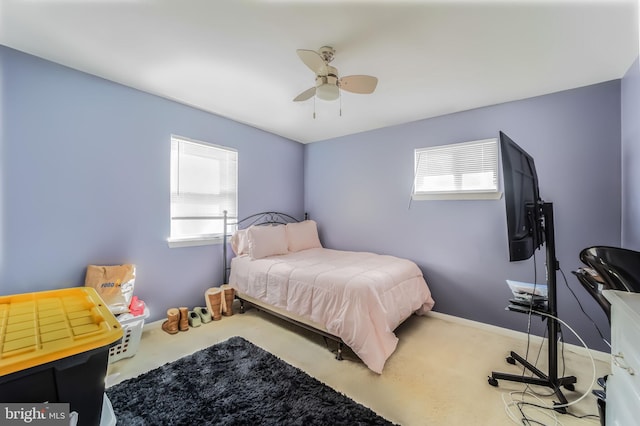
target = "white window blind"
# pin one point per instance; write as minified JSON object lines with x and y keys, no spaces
{"x":204,"y":183}
{"x":457,"y":171}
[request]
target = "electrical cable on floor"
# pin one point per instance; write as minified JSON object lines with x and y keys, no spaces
{"x":560,"y":329}
{"x":562,"y":340}
{"x":593,"y":362}
{"x":549,"y":410}
{"x":521,"y":405}
{"x":528,"y":388}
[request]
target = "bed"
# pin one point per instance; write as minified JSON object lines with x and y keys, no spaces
{"x":355,"y":298}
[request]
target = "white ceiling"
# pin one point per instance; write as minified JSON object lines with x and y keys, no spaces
{"x":238,"y":58}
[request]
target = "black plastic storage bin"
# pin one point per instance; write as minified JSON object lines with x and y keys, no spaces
{"x":77,"y":380}
{"x":54,"y":347}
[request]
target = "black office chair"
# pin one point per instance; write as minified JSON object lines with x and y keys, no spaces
{"x":594,"y":284}
{"x":618,"y":267}
{"x":608,"y":268}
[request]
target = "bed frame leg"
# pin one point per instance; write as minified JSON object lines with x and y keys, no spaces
{"x":338,"y":352}
{"x":241,"y":306}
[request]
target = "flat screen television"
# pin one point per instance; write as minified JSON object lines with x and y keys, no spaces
{"x":530,"y":224}
{"x":522,"y":200}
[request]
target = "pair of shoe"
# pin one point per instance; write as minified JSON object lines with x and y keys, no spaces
{"x":179,"y":319}
{"x":200,"y":315}
{"x":220,"y":301}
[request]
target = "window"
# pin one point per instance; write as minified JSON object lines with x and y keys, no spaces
{"x":466,"y":170}
{"x":204,"y":183}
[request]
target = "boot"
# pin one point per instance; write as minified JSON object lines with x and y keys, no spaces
{"x":227,"y":299}
{"x":213,"y":297}
{"x":171,"y":324}
{"x":184,"y":319}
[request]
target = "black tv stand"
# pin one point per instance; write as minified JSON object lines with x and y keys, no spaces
{"x":551,"y":379}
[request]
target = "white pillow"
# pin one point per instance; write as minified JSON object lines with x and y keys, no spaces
{"x":266,"y":240}
{"x":303,"y":235}
{"x":240,"y":242}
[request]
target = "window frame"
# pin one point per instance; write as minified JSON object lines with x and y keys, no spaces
{"x":199,"y":239}
{"x":457,"y":194}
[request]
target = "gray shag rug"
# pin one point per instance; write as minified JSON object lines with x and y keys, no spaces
{"x":233,"y":383}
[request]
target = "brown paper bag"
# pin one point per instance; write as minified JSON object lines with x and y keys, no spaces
{"x":114,"y":284}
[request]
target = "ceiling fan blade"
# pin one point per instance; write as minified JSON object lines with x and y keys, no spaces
{"x":363,"y":84}
{"x":305,"y":95}
{"x":312,"y":59}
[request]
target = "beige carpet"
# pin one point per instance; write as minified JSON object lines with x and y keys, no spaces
{"x":436,"y":376}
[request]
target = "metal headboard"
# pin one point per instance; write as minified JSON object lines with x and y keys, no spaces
{"x":264,"y":218}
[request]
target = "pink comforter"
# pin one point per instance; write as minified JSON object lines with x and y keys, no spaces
{"x":359,"y":297}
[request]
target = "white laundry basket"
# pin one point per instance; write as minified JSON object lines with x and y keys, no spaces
{"x":132,"y":331}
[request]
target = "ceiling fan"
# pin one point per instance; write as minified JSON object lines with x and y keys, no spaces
{"x":328,"y":84}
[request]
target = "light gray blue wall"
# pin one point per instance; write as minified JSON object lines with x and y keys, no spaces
{"x":84,"y":179}
{"x":631,"y":158}
{"x":357,"y":187}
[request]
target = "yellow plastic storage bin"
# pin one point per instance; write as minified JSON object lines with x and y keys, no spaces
{"x":54,"y":346}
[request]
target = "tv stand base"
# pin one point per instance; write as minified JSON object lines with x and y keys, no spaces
{"x":541,"y":380}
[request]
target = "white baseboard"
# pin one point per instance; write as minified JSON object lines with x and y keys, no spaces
{"x":598,"y":355}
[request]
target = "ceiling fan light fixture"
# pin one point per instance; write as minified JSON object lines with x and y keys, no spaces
{"x":328,"y":83}
{"x":327,"y":92}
